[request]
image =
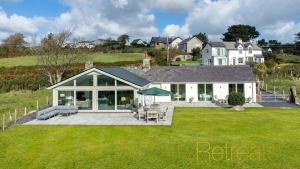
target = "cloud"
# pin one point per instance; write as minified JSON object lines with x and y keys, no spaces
{"x":282,"y":31}
{"x":176,"y":30}
{"x":214,"y":17}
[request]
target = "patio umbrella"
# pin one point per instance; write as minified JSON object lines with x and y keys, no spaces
{"x":154,"y":91}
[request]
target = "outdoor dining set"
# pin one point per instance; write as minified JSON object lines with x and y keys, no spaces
{"x":152,"y":112}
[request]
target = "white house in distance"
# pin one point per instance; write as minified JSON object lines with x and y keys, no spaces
{"x":114,"y":89}
{"x":187,"y":45}
{"x":174,"y":42}
{"x":138,"y":42}
{"x":231,"y":53}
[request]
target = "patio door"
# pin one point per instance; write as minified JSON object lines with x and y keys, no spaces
{"x":106,"y":100}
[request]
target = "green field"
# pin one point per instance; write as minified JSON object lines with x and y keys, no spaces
{"x":19,"y":99}
{"x":96,"y":57}
{"x":289,"y":58}
{"x":256,"y":138}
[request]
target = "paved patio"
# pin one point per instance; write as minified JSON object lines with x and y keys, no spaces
{"x":103,"y":119}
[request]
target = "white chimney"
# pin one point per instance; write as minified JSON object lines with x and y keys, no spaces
{"x":89,"y":65}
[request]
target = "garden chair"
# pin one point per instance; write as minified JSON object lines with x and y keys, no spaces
{"x":141,"y":113}
{"x":163,"y":115}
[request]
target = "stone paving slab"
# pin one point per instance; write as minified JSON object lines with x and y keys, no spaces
{"x":102,"y":119}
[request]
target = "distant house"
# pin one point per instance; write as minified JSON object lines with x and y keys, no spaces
{"x":231,"y":53}
{"x":174,"y":42}
{"x":99,"y":42}
{"x":164,"y":42}
{"x":187,"y":45}
{"x":85,"y":44}
{"x":138,"y":42}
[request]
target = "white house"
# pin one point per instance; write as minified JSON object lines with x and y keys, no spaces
{"x":174,"y":42}
{"x":189,"y":44}
{"x":231,"y":53}
{"x":85,"y":44}
{"x":115,"y":89}
{"x":138,"y":42}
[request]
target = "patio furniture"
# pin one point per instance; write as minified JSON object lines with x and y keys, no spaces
{"x":163,"y":115}
{"x":141,"y":113}
{"x":152,"y":114}
{"x":56,"y":110}
{"x":154,"y":91}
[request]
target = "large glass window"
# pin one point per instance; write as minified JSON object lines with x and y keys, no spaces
{"x":105,"y":81}
{"x":232,"y":88}
{"x":240,"y":88}
{"x":205,"y":92}
{"x":65,"y":98}
{"x":70,"y":83}
{"x":125,"y":100}
{"x":209,"y":92}
{"x":201,"y":92}
{"x":86,"y":80}
{"x":236,"y":88}
{"x":106,"y":100}
{"x":119,"y":83}
{"x":84,"y":100}
{"x":178,"y":91}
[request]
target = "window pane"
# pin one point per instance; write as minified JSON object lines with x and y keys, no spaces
{"x":70,"y":83}
{"x":119,"y":83}
{"x":84,"y":100}
{"x":105,"y":81}
{"x":220,"y":62}
{"x":240,"y":88}
{"x":232,"y":88}
{"x":181,"y":92}
{"x":86,"y":80}
{"x":201,"y":92}
{"x":65,"y":98}
{"x":209,"y":92}
{"x":106,"y":100}
{"x":125,"y":100}
{"x":174,"y":91}
{"x":241,"y":60}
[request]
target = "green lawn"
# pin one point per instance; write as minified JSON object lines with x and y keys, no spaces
{"x":96,"y":57}
{"x":270,"y":136}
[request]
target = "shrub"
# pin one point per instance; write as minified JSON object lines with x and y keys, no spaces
{"x":236,"y":99}
{"x":178,"y":59}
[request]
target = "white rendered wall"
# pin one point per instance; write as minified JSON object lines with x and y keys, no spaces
{"x":221,"y":90}
{"x":191,"y":90}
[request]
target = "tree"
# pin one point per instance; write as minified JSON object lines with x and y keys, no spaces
{"x":245,"y":32}
{"x":15,"y":41}
{"x":203,"y":37}
{"x":274,"y":42}
{"x":260,"y":70}
{"x":54,"y":58}
{"x":196,"y":52}
{"x":262,"y":43}
{"x":123,"y":39}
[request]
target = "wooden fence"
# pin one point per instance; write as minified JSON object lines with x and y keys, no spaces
{"x":11,"y":117}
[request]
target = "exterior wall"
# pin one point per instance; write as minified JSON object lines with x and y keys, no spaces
{"x":245,"y":54}
{"x":193,"y":43}
{"x":159,"y":45}
{"x":206,"y":55}
{"x":220,"y":90}
{"x":175,"y":43}
{"x":191,"y":90}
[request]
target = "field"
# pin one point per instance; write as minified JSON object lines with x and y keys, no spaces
{"x":256,"y":138}
{"x":20,"y":99}
{"x":96,"y":57}
{"x":289,"y":58}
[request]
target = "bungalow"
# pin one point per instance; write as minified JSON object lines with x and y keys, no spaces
{"x":115,"y":89}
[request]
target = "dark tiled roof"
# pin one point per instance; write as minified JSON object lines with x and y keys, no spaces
{"x":125,"y":75}
{"x":200,"y":74}
{"x":216,"y":44}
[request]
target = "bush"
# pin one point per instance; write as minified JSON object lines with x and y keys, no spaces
{"x":178,"y":59}
{"x":236,"y":99}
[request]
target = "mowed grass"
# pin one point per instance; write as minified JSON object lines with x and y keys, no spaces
{"x":268,"y":137}
{"x":19,"y":99}
{"x":96,"y":57}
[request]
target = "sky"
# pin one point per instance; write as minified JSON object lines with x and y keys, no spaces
{"x":92,"y":19}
